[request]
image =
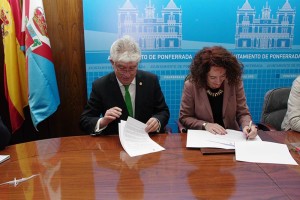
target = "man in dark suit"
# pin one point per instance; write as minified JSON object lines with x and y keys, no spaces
{"x":5,"y":135}
{"x":108,"y":102}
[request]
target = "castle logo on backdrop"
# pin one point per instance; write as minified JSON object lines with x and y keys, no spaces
{"x":265,"y":31}
{"x":151,"y":30}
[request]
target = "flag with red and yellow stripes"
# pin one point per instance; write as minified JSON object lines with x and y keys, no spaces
{"x":15,"y":75}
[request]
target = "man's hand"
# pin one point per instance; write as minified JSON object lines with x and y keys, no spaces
{"x":110,"y":115}
{"x":152,"y":125}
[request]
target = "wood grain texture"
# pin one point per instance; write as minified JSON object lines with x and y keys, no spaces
{"x":67,"y":41}
{"x":65,"y":29}
{"x":85,"y":167}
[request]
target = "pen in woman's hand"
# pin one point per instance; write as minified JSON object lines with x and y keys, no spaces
{"x":249,"y":129}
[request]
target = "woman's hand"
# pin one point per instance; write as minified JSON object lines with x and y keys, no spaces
{"x":250,"y":132}
{"x":215,"y":128}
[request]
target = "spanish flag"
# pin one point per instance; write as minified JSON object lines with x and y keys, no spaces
{"x":15,"y":75}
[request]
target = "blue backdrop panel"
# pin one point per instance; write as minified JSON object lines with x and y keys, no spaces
{"x":264,"y":36}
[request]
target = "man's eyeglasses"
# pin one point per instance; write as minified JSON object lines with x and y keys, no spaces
{"x":122,"y":69}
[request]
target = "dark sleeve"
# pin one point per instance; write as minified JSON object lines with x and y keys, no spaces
{"x":161,"y":109}
{"x":5,"y":135}
{"x":91,"y":112}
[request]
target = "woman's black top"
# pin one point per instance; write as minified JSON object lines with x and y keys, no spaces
{"x":215,"y":97}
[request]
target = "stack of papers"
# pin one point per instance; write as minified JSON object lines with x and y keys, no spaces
{"x":201,"y":139}
{"x":4,"y":158}
{"x":251,"y":150}
{"x":263,"y":152}
{"x":135,"y":140}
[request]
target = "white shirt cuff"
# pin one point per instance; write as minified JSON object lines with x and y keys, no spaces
{"x":97,"y":128}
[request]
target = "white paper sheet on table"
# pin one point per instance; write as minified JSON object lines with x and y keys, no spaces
{"x":263,"y":152}
{"x":202,"y":138}
{"x":135,"y":140}
{"x":4,"y":158}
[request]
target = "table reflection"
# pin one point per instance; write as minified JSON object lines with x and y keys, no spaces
{"x":116,"y":173}
{"x":84,"y":167}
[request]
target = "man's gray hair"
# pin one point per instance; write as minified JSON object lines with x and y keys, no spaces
{"x":126,"y":50}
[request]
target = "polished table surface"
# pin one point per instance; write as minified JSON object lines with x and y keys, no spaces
{"x":85,"y":167}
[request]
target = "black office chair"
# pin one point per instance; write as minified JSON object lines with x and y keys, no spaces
{"x":274,"y":109}
{"x":181,"y":128}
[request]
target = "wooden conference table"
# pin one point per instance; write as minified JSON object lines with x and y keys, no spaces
{"x":85,"y":167}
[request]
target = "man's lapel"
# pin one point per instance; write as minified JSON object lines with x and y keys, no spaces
{"x":140,"y":93}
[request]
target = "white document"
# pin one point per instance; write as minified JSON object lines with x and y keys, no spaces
{"x":263,"y":152}
{"x":202,"y":138}
{"x":135,"y":140}
{"x":4,"y":158}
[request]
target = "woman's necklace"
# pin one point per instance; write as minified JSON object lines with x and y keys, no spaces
{"x":214,"y":94}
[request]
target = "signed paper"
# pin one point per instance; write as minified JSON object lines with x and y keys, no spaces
{"x":201,"y":138}
{"x":135,"y":140}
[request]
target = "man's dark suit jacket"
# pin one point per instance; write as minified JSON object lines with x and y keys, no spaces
{"x":5,"y":135}
{"x":106,"y":93}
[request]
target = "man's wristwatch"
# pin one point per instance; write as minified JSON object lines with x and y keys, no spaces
{"x":203,"y":125}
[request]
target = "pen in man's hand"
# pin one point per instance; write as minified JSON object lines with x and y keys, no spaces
{"x":249,"y":130}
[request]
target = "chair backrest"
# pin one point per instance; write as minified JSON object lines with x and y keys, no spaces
{"x":275,"y":107}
